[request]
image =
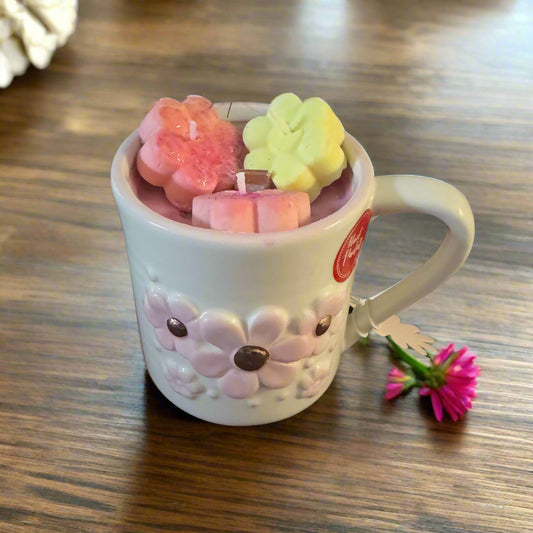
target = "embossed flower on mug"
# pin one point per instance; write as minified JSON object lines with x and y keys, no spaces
{"x":324,"y":321}
{"x":263,"y":353}
{"x":175,"y":320}
{"x":182,"y":379}
{"x":314,"y":379}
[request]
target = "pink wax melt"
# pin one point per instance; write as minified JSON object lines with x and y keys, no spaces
{"x":332,"y":198}
{"x":188,"y":150}
{"x":257,"y":212}
{"x":190,"y":161}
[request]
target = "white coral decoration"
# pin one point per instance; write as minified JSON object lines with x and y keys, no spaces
{"x":31,"y":31}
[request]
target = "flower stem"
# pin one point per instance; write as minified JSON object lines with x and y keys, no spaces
{"x":421,"y":371}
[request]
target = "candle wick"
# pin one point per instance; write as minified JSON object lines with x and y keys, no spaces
{"x":241,"y":182}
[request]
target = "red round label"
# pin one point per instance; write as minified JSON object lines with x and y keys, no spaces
{"x":349,"y":251}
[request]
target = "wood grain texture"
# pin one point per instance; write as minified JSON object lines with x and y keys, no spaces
{"x":87,"y":444}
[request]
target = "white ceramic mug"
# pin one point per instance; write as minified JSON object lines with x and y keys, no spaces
{"x":244,"y":329}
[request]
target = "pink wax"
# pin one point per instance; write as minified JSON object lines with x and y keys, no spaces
{"x":252,"y":212}
{"x":331,"y":198}
{"x":188,"y":149}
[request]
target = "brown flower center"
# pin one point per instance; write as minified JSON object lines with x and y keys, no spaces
{"x":176,"y":327}
{"x":250,"y":358}
{"x":323,"y":325}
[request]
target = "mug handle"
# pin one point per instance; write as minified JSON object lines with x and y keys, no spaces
{"x":404,"y":193}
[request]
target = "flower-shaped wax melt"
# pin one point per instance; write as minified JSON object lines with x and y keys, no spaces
{"x":298,"y":142}
{"x":255,"y":212}
{"x":188,"y":150}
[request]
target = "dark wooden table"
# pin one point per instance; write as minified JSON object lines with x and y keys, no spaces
{"x":87,"y":443}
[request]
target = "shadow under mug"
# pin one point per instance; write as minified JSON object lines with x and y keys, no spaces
{"x":244,"y":329}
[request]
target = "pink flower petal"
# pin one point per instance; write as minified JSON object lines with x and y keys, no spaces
{"x":461,"y":382}
{"x":321,"y":370}
{"x":437,"y":404}
{"x":330,"y":304}
{"x":443,"y":354}
{"x":277,"y":375}
{"x":320,"y":342}
{"x":176,"y":371}
{"x":309,"y":344}
{"x":452,"y":402}
{"x":266,"y":325}
{"x":223,"y":330}
{"x":185,"y":345}
{"x":307,"y":323}
{"x":238,"y":384}
{"x":458,"y":372}
{"x":393,"y":390}
{"x":182,"y":380}
{"x":165,"y":337}
{"x":467,"y":403}
{"x":290,"y":349}
{"x":211,"y":364}
{"x":181,"y":309}
{"x":193,"y":330}
{"x":464,"y":366}
{"x":396,"y":375}
{"x":156,"y":308}
{"x":462,"y":352}
{"x":450,"y":409}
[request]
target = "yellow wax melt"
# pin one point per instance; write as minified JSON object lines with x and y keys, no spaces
{"x":298,"y":142}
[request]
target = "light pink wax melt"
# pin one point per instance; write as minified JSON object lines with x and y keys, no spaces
{"x":188,"y":156}
{"x":332,"y":198}
{"x":257,"y":212}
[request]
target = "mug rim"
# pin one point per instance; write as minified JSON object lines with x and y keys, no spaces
{"x":123,"y":191}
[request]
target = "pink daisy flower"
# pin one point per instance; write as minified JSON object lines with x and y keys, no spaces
{"x":451,"y":383}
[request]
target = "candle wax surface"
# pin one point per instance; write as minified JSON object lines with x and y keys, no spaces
{"x":330,"y":199}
